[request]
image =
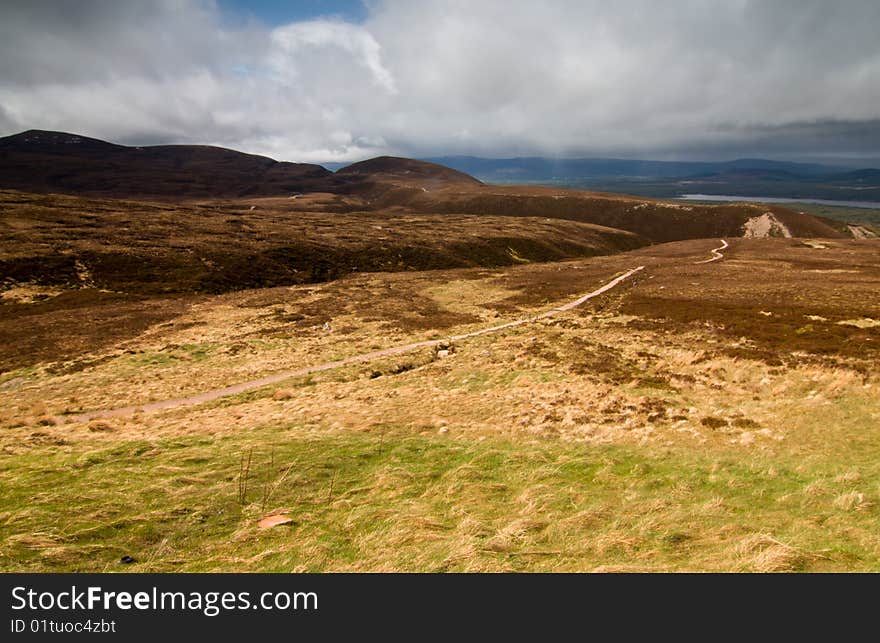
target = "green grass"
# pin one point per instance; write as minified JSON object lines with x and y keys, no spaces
{"x":22,"y":373}
{"x":185,"y":352}
{"x":391,"y":500}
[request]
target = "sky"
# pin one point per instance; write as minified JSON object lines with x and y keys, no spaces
{"x":344,"y":80}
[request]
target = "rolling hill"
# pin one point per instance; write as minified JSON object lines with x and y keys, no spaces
{"x":397,"y":168}
{"x":220,"y":197}
{"x":392,"y":360}
{"x":39,"y":161}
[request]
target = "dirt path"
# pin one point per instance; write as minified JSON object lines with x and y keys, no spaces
{"x":716,"y":253}
{"x":214,"y":394}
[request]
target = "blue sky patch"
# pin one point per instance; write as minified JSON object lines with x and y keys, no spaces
{"x":281,"y":12}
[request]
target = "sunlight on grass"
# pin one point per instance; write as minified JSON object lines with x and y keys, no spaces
{"x":395,"y":501}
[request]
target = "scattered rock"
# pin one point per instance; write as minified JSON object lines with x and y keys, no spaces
{"x":444,"y":350}
{"x":274,"y":520}
{"x":865,"y":322}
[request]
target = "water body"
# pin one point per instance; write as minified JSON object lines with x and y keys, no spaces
{"x":874,"y":205}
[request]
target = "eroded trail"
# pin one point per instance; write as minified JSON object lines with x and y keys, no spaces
{"x":235,"y":389}
{"x":716,"y":253}
{"x":275,"y":378}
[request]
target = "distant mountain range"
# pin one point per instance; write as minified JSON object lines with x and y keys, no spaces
{"x":43,"y":161}
{"x":40,"y":161}
{"x":743,"y":177}
{"x":534,"y":168}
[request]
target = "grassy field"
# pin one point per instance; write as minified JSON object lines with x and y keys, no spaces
{"x":718,"y":416}
{"x":394,"y":500}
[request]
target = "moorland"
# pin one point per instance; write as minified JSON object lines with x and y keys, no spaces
{"x":405,"y":369}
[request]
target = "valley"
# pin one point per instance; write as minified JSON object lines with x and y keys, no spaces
{"x":417,"y":371}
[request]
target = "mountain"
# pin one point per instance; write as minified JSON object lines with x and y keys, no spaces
{"x":670,"y":179}
{"x":45,"y":162}
{"x":870,"y":176}
{"x":56,"y":162}
{"x":393,"y":167}
{"x":41,"y":161}
{"x":533,"y":169}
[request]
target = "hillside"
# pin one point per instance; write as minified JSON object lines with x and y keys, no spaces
{"x":698,"y":417}
{"x":395,"y":361}
{"x":396,"y":168}
{"x":56,"y":162}
{"x":139,"y":247}
{"x":38,"y":161}
{"x":657,"y":220}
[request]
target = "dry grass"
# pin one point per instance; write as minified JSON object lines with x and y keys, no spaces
{"x":853,"y":501}
{"x":608,"y":438}
{"x":764,"y":553}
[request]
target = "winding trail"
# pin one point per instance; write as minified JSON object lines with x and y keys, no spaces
{"x":716,"y":253}
{"x":235,"y":389}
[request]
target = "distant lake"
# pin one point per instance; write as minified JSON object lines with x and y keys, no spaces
{"x":772,"y":199}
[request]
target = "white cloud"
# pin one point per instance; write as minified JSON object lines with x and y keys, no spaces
{"x":297,"y":47}
{"x":569,"y":77}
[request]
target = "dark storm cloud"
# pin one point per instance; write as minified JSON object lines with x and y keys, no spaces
{"x":570,"y":77}
{"x":852,"y":138}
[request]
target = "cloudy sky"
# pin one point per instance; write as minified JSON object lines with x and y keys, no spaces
{"x":344,"y":80}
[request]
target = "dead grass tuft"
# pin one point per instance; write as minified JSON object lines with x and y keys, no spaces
{"x":36,"y":541}
{"x":513,"y":534}
{"x":816,"y":488}
{"x":587,"y":518}
{"x":39,"y":409}
{"x":615,"y":542}
{"x":763,"y":553}
{"x":849,"y":477}
{"x":102,"y":426}
{"x":852,"y":501}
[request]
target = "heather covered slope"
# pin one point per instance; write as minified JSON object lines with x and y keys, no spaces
{"x":700,"y":417}
{"x":39,"y":161}
{"x":660,"y":221}
{"x":141,"y":247}
{"x":390,"y":168}
{"x":36,"y":161}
